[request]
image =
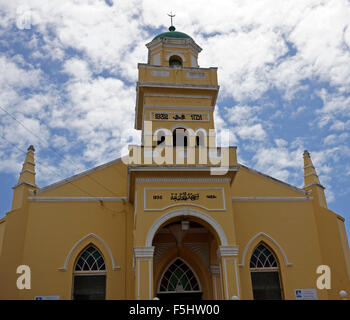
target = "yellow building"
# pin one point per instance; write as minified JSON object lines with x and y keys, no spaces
{"x":188,"y":222}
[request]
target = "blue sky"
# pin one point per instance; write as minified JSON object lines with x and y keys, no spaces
{"x":68,"y":71}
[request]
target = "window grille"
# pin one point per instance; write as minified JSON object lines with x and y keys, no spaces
{"x":90,"y":260}
{"x":263,"y":258}
{"x":179,"y":278}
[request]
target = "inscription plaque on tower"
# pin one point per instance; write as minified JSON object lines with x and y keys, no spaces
{"x":157,"y":199}
{"x":179,"y":116}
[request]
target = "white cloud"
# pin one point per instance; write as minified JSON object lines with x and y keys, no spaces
{"x":281,"y":143}
{"x":77,"y":68}
{"x":278,"y":162}
{"x":254,"y":132}
{"x":241,"y":114}
{"x":340,"y":125}
{"x":335,"y":139}
{"x":257,"y":45}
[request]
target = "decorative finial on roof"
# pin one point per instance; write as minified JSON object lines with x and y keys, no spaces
{"x":31,"y":148}
{"x":171,"y":15}
{"x":306,"y":153}
{"x":312,"y":182}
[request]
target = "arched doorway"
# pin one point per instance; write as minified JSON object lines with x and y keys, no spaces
{"x":179,"y":281}
{"x":185,"y":250}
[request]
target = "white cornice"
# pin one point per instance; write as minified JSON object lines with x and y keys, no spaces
{"x":30,"y":162}
{"x":214,"y":269}
{"x":26,"y":183}
{"x":271,"y":199}
{"x":311,"y":174}
{"x":180,"y":107}
{"x":140,"y":180}
{"x":76,"y":199}
{"x":151,"y":66}
{"x":227,"y":251}
{"x":179,"y":168}
{"x":184,"y":43}
{"x":177,"y":96}
{"x":144,"y":252}
{"x":177,"y":86}
{"x":314,"y":184}
{"x":29,"y":171}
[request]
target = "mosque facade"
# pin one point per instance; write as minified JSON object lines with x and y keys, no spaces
{"x":178,"y":217}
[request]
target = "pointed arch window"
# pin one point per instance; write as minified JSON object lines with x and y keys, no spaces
{"x":89,"y":275}
{"x":265,"y":274}
{"x":179,"y":278}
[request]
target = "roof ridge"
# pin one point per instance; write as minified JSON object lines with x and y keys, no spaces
{"x":274,"y":179}
{"x":74,"y":177}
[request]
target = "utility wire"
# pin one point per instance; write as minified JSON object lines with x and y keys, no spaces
{"x":66,"y":180}
{"x":14,"y":118}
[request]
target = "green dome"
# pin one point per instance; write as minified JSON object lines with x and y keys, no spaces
{"x":173,"y":34}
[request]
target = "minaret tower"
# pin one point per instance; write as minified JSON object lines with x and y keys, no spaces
{"x":172,"y":90}
{"x":26,"y":180}
{"x":312,"y":182}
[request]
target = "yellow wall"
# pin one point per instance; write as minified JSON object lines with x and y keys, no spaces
{"x":109,"y":204}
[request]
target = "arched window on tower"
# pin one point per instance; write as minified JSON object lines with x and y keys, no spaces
{"x":265,"y":274}
{"x":89,"y":275}
{"x":160,"y":136}
{"x":180,"y":137}
{"x":175,"y":62}
{"x":201,"y":138}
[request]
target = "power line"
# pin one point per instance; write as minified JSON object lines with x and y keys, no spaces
{"x":67,"y":181}
{"x":30,"y":131}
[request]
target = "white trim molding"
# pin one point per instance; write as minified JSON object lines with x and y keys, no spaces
{"x":225,"y":259}
{"x":27,"y":170}
{"x":311,"y":174}
{"x":149,"y":260}
{"x":271,"y":199}
{"x":180,"y":168}
{"x":314,"y":184}
{"x":183,"y":180}
{"x":94,"y":236}
{"x":177,"y":96}
{"x":76,"y":199}
{"x":214,"y":269}
{"x":144,"y":252}
{"x":264,"y":235}
{"x":26,"y":183}
{"x":175,"y":53}
{"x":227,"y":251}
{"x":185,"y":212}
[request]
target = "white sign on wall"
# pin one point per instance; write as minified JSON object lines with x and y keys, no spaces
{"x":305,"y":294}
{"x":47,"y":298}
